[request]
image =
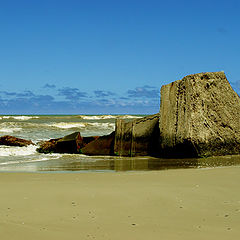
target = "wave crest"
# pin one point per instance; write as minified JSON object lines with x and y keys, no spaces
{"x":65,"y":125}
{"x":6,"y":151}
{"x":21,"y":118}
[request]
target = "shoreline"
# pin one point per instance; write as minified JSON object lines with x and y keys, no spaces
{"x":114,"y":171}
{"x":175,"y":204}
{"x":81,"y":163}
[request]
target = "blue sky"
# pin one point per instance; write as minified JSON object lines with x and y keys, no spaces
{"x":103,"y":57}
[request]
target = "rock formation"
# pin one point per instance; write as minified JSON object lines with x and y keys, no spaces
{"x":138,"y":137}
{"x":68,"y":144}
{"x":14,"y":141}
{"x":199,"y":117}
{"x":48,"y":146}
{"x":103,"y":145}
{"x":71,"y":143}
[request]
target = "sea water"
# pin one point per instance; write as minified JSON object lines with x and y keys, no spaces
{"x":44,"y":127}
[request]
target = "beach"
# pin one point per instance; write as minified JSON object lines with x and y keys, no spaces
{"x":171,"y":204}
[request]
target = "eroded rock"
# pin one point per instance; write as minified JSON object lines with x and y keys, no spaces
{"x":14,"y":141}
{"x":71,"y":143}
{"x":199,"y":117}
{"x":48,"y":146}
{"x":138,"y":137}
{"x":68,"y":144}
{"x":103,"y":145}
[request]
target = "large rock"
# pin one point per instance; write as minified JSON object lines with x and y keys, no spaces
{"x":14,"y":141}
{"x":199,"y":117}
{"x":103,"y":145}
{"x":138,"y":137}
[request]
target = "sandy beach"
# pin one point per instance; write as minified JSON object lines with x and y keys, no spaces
{"x":172,"y":204}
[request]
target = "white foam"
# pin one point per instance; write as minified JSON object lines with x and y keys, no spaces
{"x":21,"y":118}
{"x":65,"y":125}
{"x":98,"y":117}
{"x":129,"y":116}
{"x":102,"y":125}
{"x":9,"y":130}
{"x":5,"y":117}
{"x":6,"y":151}
{"x":27,"y":161}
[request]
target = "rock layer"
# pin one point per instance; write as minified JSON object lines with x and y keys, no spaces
{"x":138,"y":137}
{"x":199,"y":117}
{"x":100,"y":146}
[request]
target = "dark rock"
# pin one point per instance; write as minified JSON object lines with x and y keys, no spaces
{"x":199,"y":117}
{"x":14,"y":141}
{"x":138,"y":137}
{"x":87,"y":140}
{"x":70,"y":144}
{"x":103,"y":145}
{"x":48,"y":146}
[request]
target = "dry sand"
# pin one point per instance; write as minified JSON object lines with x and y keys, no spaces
{"x":173,"y":204}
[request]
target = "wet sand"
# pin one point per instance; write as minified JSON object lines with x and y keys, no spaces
{"x":172,"y":204}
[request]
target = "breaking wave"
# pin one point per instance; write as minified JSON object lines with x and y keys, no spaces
{"x":97,"y":117}
{"x":65,"y":125}
{"x":10,"y":130}
{"x":129,"y":116}
{"x":68,"y":125}
{"x":7,"y":127}
{"x":102,"y":117}
{"x":6,"y":151}
{"x":102,"y":125}
{"x":21,"y":118}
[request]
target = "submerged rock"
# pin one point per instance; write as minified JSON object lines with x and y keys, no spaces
{"x":14,"y":141}
{"x":199,"y":117}
{"x":138,"y":137}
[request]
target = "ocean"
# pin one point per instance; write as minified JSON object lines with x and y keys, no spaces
{"x":44,"y":127}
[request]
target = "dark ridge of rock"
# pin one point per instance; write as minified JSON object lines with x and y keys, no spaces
{"x":103,"y":145}
{"x":199,"y":117}
{"x":71,"y":143}
{"x":14,"y":141}
{"x":138,"y":137}
{"x":87,"y":140}
{"x":68,"y":144}
{"x":48,"y":146}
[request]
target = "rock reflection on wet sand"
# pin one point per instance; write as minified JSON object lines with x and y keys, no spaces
{"x":106,"y":163}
